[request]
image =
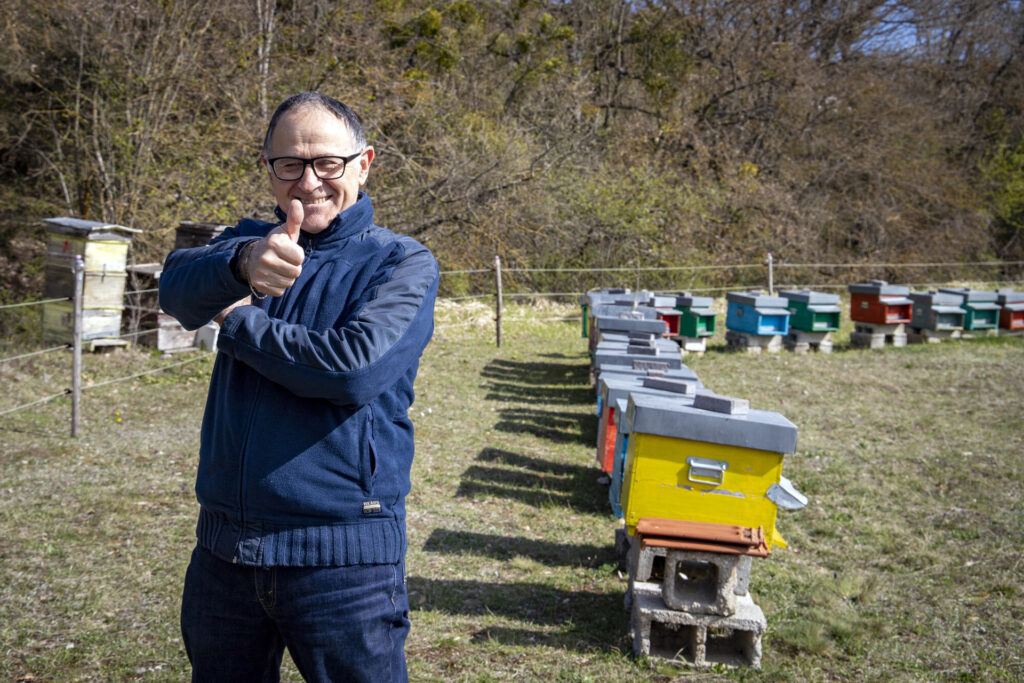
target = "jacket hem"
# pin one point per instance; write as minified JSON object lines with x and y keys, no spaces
{"x":378,"y":541}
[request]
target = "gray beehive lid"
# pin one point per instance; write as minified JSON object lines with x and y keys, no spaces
{"x":612,"y":387}
{"x":808,"y":296}
{"x":662,"y":301}
{"x":971,"y":296}
{"x":937,"y":299}
{"x":661,"y":346}
{"x":759,"y":429}
{"x":1009,"y":296}
{"x":616,"y":324}
{"x":880,"y":288}
{"x":603,"y":359}
{"x":607,"y":310}
{"x":687,"y":300}
{"x":605,"y":295}
{"x":759,"y":301}
{"x":627,"y":372}
{"x":90,"y":230}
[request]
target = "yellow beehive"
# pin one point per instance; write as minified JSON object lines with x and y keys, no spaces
{"x":697,"y":464}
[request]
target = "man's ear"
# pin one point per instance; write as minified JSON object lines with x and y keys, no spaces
{"x":364,"y":164}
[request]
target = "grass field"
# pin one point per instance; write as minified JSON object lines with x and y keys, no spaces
{"x":906,"y":565}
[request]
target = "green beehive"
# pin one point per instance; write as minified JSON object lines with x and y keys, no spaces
{"x":697,"y":320}
{"x":812,"y":311}
{"x":981,"y":308}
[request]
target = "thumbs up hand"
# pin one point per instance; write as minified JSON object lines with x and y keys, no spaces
{"x":273,"y":263}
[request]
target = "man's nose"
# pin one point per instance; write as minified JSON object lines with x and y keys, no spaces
{"x":308,"y":178}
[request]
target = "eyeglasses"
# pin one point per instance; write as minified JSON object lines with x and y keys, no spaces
{"x":324,"y":168}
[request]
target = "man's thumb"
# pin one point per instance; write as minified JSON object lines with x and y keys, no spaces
{"x":294,"y":221}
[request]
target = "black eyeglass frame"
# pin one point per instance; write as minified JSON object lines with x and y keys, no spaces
{"x":312,"y":164}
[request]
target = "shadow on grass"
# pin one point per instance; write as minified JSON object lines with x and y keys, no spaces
{"x":507,"y":547}
{"x":502,"y":457}
{"x":571,"y":372}
{"x":593,"y":618}
{"x":517,"y":392}
{"x":534,"y":481}
{"x":559,"y":427}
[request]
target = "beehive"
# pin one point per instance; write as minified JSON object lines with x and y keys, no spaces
{"x":697,"y":319}
{"x":756,"y":313}
{"x":1011,"y":314}
{"x":590,"y":299}
{"x":695,"y":463}
{"x":937,"y":311}
{"x":981,"y":312}
{"x":104,"y":250}
{"x":613,"y":387}
{"x":879,"y":303}
{"x":812,"y":311}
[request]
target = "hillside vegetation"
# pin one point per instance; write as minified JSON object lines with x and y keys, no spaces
{"x":604,"y":133}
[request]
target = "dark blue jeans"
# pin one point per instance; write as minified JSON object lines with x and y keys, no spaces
{"x":338,"y":623}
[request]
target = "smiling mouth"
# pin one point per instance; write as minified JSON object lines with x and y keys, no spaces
{"x":314,"y":201}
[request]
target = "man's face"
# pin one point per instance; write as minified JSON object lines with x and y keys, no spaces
{"x":307,"y":132}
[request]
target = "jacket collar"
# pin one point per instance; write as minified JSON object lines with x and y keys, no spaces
{"x":349,"y":222}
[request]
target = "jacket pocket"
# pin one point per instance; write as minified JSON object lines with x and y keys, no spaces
{"x":370,"y":464}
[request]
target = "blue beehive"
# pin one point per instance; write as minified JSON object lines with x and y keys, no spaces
{"x":756,"y":313}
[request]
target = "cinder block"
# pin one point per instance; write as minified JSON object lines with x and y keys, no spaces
{"x":642,"y":349}
{"x":887,"y":330}
{"x":875,"y":336}
{"x":923,"y":335}
{"x":727,"y":405}
{"x":652,"y":367}
{"x":674,"y":385}
{"x":704,"y":583}
{"x":702,"y":640}
{"x":867,"y":340}
{"x":645,"y":337}
{"x":801,"y":341}
{"x":753,"y":343}
{"x":622,"y":544}
{"x":646,"y":564}
{"x":696,"y":345}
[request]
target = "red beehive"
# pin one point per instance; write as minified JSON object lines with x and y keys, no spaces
{"x":1011,"y":316}
{"x":879,"y":303}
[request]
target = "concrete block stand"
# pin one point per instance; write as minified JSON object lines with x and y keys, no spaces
{"x":697,"y":345}
{"x":799,"y":341}
{"x":701,"y":640}
{"x":923,"y":335}
{"x":705,"y":583}
{"x":876,"y":336}
{"x":753,"y":343}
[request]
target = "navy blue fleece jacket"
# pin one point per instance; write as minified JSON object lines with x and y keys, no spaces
{"x":306,"y":443}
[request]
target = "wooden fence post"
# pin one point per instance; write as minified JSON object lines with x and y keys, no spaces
{"x":771,"y":276}
{"x":497,"y":317}
{"x":76,"y":353}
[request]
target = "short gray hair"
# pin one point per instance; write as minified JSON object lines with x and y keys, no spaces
{"x":339,"y":109}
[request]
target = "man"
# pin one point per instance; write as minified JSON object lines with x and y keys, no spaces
{"x":306,"y":444}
